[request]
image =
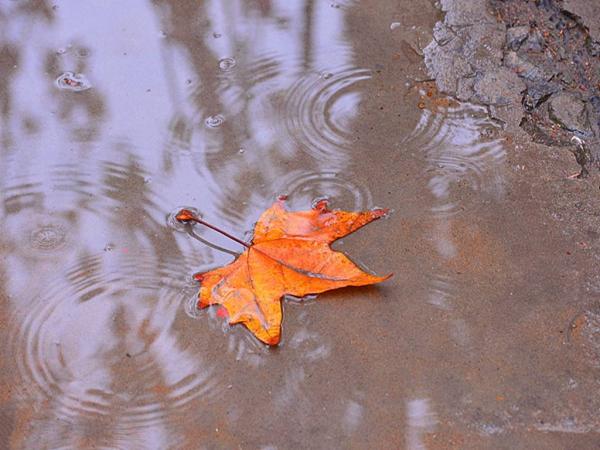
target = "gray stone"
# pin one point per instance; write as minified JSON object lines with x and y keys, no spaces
{"x":515,"y":36}
{"x":501,"y":89}
{"x":537,"y":94}
{"x":460,"y":13}
{"x":569,"y":112}
{"x":588,"y":12}
{"x":535,"y":42}
{"x":524,"y":68}
{"x":442,"y":34}
{"x":469,"y":41}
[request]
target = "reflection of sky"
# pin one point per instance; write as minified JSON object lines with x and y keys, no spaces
{"x":421,"y":420}
{"x":106,"y":166}
{"x":134,"y":58}
{"x":281,"y":33}
{"x":121,"y":79}
{"x":110,"y":190}
{"x":123,"y":67}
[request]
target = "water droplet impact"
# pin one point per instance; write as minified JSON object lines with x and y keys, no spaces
{"x":46,"y":343}
{"x":214,"y":121}
{"x":217,"y":35}
{"x":108,"y":248}
{"x":453,"y":141}
{"x":320,"y":112}
{"x":48,"y":237}
{"x":305,"y":187}
{"x":241,"y":151}
{"x":326,"y":75}
{"x":227,"y":64}
{"x":70,"y":81}
{"x":147,"y":180}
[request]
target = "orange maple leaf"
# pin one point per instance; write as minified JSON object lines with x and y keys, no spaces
{"x":289,"y":254}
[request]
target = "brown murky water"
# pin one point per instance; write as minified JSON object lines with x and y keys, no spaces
{"x":115,"y":114}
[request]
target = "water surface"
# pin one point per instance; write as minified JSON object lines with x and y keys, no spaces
{"x":114,"y":114}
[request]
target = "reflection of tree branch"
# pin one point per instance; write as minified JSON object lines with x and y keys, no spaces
{"x":186,"y":16}
{"x":308,"y":31}
{"x":181,"y":19}
{"x":9,"y":61}
{"x":10,"y":54}
{"x":87,"y":106}
{"x":40,"y":8}
{"x":125,"y":183}
{"x":264,"y":6}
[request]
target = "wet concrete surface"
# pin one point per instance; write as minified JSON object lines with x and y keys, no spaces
{"x":115,"y":114}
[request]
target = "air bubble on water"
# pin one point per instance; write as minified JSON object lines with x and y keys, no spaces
{"x":326,"y":75}
{"x":217,"y":35}
{"x":214,"y":121}
{"x":147,"y":180}
{"x":241,"y":151}
{"x":395,"y":25}
{"x":226,"y":64}
{"x":109,"y":247}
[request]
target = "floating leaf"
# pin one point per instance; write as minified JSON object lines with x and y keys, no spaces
{"x":290,"y":254}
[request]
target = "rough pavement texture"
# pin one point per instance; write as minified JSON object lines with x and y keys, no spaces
{"x":465,"y":58}
{"x":534,"y":64}
{"x":588,"y":12}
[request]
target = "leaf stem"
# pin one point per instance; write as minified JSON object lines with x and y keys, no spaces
{"x":185,"y":215}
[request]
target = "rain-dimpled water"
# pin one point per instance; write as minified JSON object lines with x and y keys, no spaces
{"x":115,"y":115}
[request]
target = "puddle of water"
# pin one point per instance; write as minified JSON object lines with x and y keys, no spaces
{"x":223,"y":107}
